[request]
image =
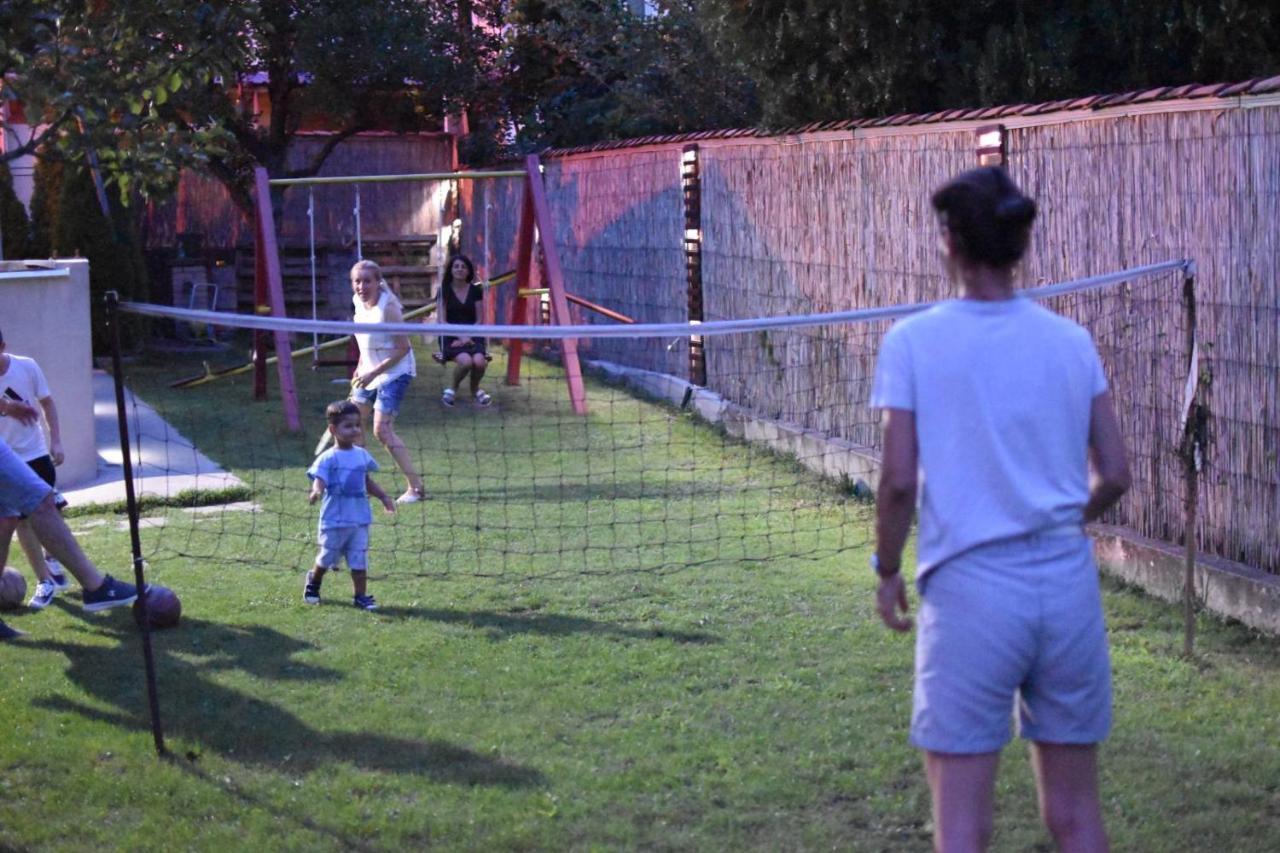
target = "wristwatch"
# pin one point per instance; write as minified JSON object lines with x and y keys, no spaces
{"x":875,"y":567}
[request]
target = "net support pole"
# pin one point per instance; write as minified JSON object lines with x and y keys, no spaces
{"x":1192,"y":437}
{"x":524,"y":270}
{"x":135,"y":540}
{"x":269,"y":279}
{"x":555,"y":282}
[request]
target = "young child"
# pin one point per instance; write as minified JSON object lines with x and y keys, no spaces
{"x":341,"y":476}
{"x":22,"y":381}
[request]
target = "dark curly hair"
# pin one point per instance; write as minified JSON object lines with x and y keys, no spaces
{"x":988,"y":216}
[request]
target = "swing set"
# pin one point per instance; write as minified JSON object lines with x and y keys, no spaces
{"x":269,"y":289}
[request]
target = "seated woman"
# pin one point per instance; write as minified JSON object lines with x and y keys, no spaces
{"x":458,"y":299}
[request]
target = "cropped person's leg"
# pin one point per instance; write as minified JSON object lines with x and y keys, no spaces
{"x":963,"y":791}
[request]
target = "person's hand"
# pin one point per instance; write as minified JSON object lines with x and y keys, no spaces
{"x":463,"y":340}
{"x":56,"y":453}
{"x":359,"y":380}
{"x":388,"y":504}
{"x":891,"y":598}
{"x":313,"y":496}
{"x":25,"y":413}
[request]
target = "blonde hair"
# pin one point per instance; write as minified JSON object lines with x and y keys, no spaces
{"x":366,"y":264}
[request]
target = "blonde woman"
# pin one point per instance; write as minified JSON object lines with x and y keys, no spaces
{"x":384,"y":371}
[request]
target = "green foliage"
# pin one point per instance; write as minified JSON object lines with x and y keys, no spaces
{"x":580,"y":72}
{"x":103,"y":72}
{"x":110,"y":245}
{"x":831,"y":59}
{"x":15,"y":228}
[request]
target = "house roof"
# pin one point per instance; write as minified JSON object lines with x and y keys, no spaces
{"x":1191,"y":91}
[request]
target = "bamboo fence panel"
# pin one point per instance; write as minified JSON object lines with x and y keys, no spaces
{"x":490,"y":214}
{"x":1203,"y":185}
{"x":619,"y":229}
{"x":813,"y":227}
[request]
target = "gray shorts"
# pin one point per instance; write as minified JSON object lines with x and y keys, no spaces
{"x":349,"y":543}
{"x":1016,"y":621}
{"x":21,"y":489}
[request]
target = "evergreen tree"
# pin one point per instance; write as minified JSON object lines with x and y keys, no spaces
{"x":45,"y":197}
{"x":15,"y":228}
{"x":107,"y":242}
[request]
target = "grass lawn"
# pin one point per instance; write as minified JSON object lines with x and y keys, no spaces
{"x":613,"y":633}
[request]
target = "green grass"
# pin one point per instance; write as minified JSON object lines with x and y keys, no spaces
{"x":524,"y":688}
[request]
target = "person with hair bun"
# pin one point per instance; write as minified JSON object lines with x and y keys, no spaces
{"x":384,"y":371}
{"x":993,"y":409}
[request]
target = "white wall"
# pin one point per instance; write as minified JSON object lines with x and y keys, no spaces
{"x":44,"y":313}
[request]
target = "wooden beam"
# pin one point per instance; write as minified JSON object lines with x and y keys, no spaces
{"x":555,"y":281}
{"x":270,"y":265}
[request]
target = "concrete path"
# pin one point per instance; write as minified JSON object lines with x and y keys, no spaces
{"x":165,"y":462}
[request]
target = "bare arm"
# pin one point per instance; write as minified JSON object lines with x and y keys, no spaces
{"x":55,"y":434}
{"x":317,"y":489}
{"x":24,"y":412}
{"x":1110,"y":458}
{"x":895,"y":507}
{"x":374,"y":489}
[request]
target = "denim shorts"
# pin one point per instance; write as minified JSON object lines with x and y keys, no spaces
{"x":21,"y":489}
{"x":344,"y":543}
{"x":1012,"y":625}
{"x":386,"y":398}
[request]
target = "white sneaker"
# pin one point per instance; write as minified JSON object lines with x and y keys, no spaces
{"x":43,"y":597}
{"x":59,"y":576}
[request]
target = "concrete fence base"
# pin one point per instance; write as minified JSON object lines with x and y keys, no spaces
{"x":1227,"y":589}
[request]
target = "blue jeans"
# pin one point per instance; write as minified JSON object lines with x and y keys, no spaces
{"x":386,"y":398}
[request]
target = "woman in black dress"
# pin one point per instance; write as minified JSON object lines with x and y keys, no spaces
{"x":458,"y":300}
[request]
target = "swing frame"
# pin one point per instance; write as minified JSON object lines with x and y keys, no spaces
{"x":535,"y":213}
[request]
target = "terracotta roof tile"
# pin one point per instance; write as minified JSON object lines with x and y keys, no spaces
{"x":1271,"y":84}
{"x":1237,"y":88}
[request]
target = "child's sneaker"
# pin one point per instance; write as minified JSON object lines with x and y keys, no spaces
{"x":43,"y":596}
{"x":364,"y":602}
{"x":59,"y":576}
{"x":311,"y":592}
{"x":112,"y":593}
{"x":483,"y":400}
{"x":448,"y":397}
{"x":7,"y":633}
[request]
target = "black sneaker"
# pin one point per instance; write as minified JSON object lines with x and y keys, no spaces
{"x":364,"y":602}
{"x":112,"y":593}
{"x":311,"y":592}
{"x":7,"y":633}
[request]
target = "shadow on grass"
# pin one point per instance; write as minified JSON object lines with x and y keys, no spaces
{"x":502,"y":624}
{"x":239,"y":725}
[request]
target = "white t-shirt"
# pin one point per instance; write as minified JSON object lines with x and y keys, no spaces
{"x":1002,"y":394}
{"x":24,"y":381}
{"x":376,"y":347}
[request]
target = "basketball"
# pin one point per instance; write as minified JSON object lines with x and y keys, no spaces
{"x":164,"y":608}
{"x":13,"y":589}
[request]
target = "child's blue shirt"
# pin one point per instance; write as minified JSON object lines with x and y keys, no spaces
{"x":345,"y":502}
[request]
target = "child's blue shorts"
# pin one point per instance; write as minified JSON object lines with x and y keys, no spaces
{"x":1012,"y":624}
{"x":386,"y":398}
{"x":349,"y":543}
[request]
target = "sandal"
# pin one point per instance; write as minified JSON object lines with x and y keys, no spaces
{"x":483,"y":399}
{"x":447,"y":397}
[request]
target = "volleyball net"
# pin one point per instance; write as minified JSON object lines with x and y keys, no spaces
{"x":772,"y":462}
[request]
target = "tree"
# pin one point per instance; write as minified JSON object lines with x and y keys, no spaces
{"x":585,"y":70}
{"x":832,"y":59}
{"x":89,"y":76}
{"x":343,"y":67}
